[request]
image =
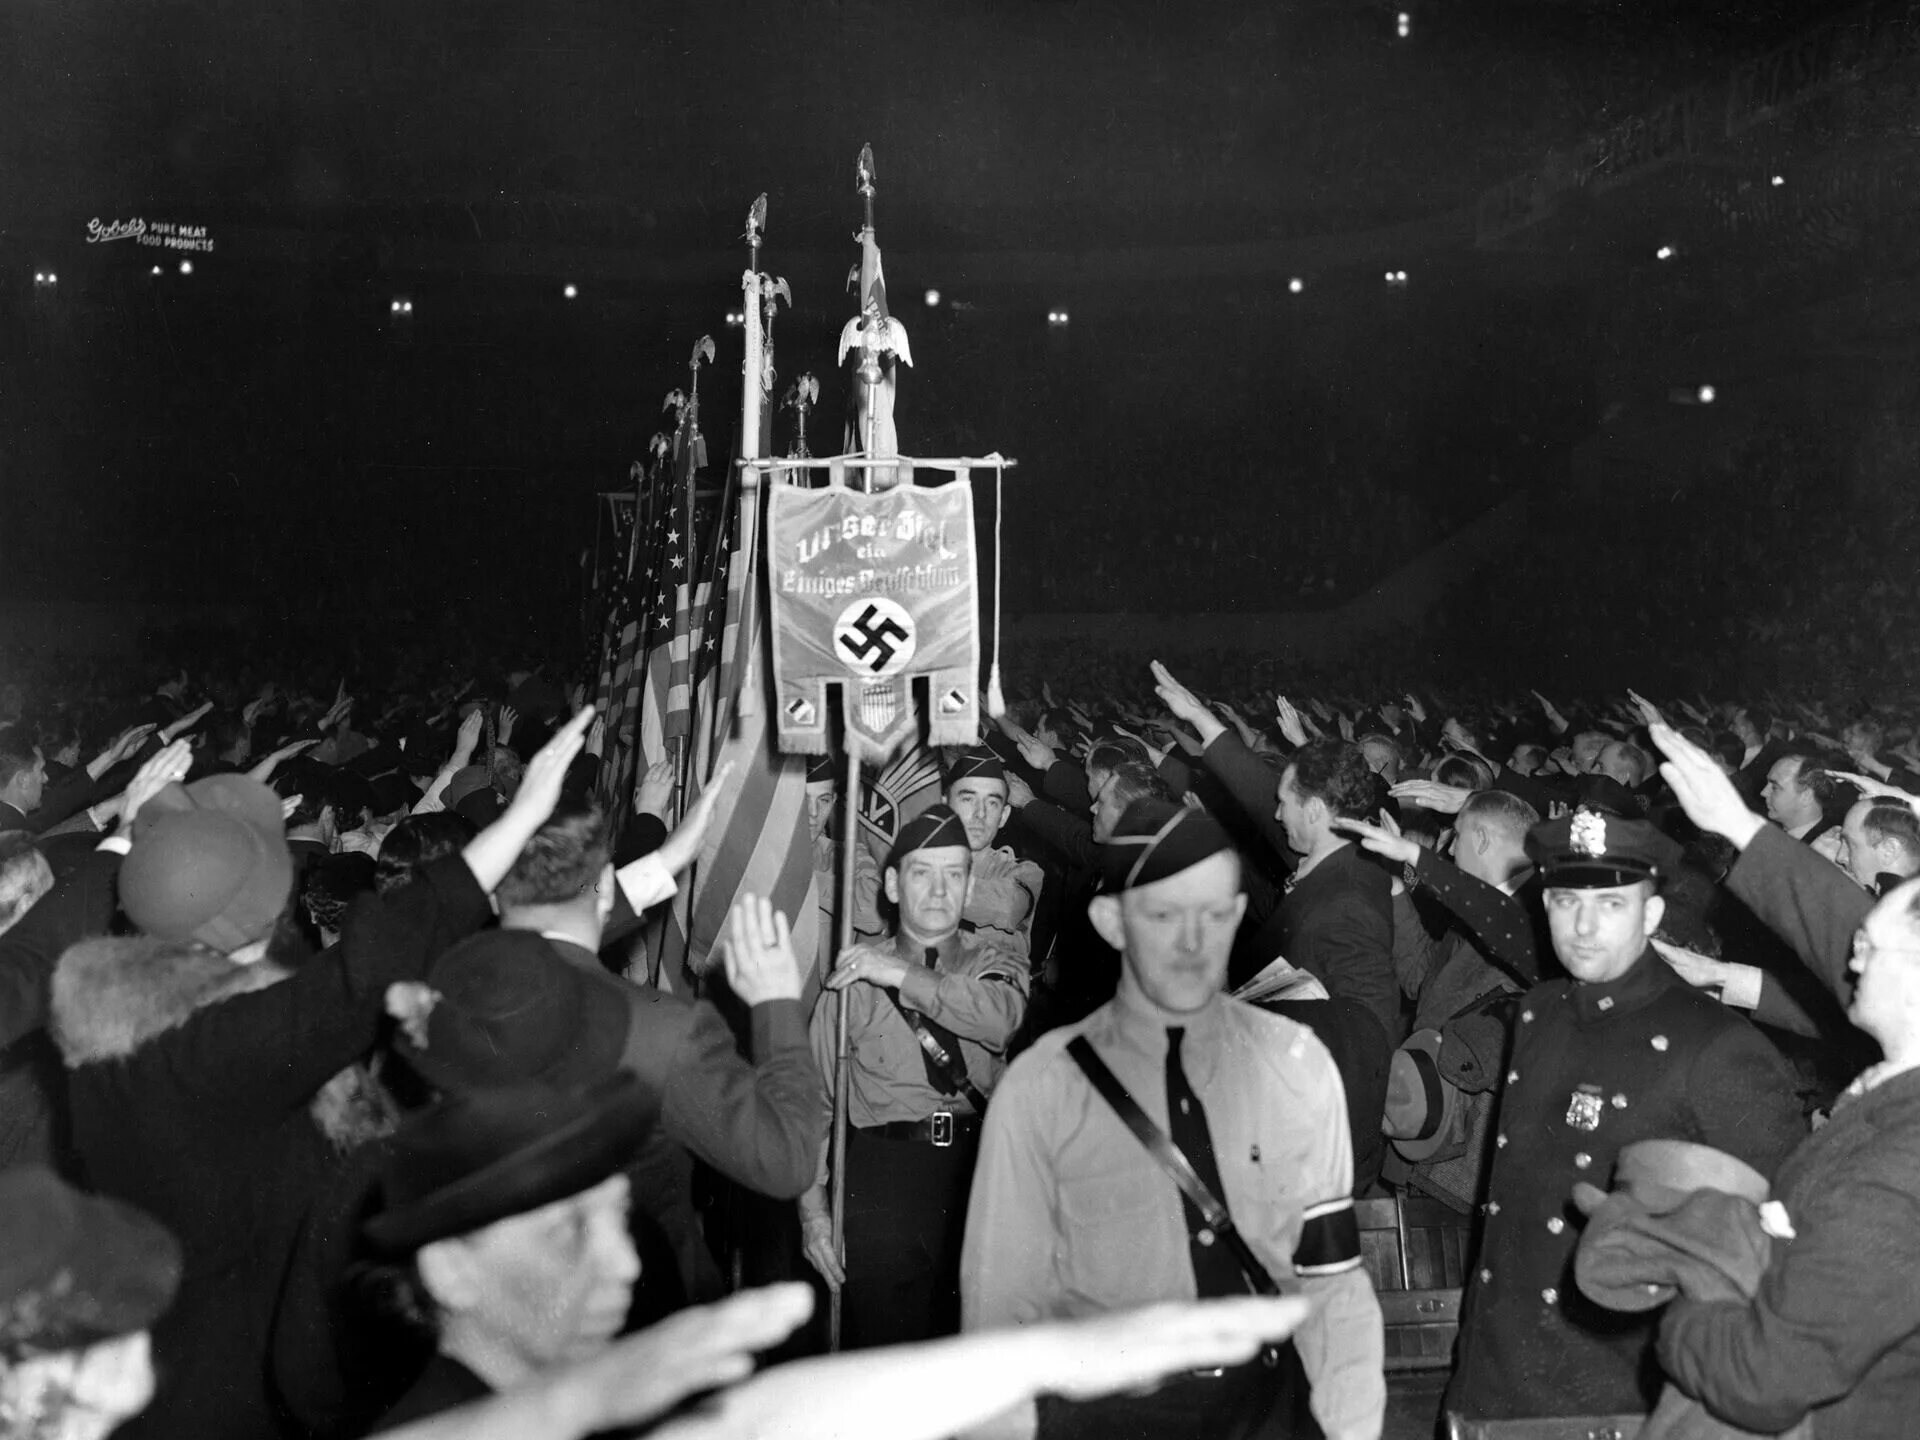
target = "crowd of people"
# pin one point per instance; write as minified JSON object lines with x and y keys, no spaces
{"x":334,"y":1102}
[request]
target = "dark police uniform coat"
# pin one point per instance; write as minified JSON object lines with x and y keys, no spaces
{"x":1595,"y":1068}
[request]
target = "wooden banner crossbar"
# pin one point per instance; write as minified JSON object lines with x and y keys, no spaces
{"x":877,"y":462}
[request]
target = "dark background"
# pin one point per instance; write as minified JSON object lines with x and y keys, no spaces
{"x":264,"y":432}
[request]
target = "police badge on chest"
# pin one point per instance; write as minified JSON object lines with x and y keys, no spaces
{"x":1585,"y":1108}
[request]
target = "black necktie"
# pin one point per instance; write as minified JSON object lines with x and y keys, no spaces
{"x":948,"y":1040}
{"x":1214,"y":1271}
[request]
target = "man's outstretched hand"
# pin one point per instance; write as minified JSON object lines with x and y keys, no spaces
{"x":1431,"y":795}
{"x":654,"y":795}
{"x":124,"y":745}
{"x":1383,"y":839}
{"x":540,"y":784}
{"x":166,"y":766}
{"x":1185,"y":706}
{"x":682,"y":847}
{"x":1703,"y":789}
{"x":760,"y":962}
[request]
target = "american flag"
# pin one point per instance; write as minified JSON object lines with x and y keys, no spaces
{"x":666,"y":718}
{"x":760,"y":843}
{"x":640,"y":616}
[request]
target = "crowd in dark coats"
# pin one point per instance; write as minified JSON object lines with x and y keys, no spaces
{"x":211,"y":1035}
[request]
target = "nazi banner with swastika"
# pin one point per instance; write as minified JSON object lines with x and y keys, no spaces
{"x":871,"y":592}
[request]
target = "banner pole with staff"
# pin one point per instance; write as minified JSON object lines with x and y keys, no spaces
{"x":843,"y":941}
{"x":872,"y":589}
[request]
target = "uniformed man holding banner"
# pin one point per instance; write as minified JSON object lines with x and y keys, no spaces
{"x":929,"y":1016}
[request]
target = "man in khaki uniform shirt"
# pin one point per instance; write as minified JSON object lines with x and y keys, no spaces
{"x":928,"y":1019}
{"x":1071,"y":1215}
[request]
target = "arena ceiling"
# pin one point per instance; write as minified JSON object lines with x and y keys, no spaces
{"x":1043,"y":128}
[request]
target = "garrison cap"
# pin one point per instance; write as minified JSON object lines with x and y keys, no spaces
{"x":1155,"y":839}
{"x":979,"y":763}
{"x":932,"y":828}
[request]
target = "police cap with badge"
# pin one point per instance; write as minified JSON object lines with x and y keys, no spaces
{"x":1589,"y":850}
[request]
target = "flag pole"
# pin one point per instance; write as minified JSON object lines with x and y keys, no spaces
{"x":870,"y":375}
{"x":751,"y":399}
{"x":843,"y":941}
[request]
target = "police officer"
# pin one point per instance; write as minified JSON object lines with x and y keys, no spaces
{"x":929,"y":1015}
{"x":1619,"y":1051}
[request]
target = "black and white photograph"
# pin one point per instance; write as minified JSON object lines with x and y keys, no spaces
{"x":999,"y":719}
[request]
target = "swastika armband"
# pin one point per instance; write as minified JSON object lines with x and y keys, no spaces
{"x":1329,"y":1239}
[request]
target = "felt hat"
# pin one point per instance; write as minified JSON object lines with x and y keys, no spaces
{"x":468,"y":781}
{"x":392,"y":791}
{"x":1590,"y":850}
{"x":1422,"y":1106}
{"x":77,"y":1269}
{"x":1153,"y":839}
{"x":209,"y":863}
{"x":480,"y":809}
{"x":506,"y":1008}
{"x":471,"y":1160}
{"x":1606,"y":795}
{"x":1681,"y":1216}
{"x":1660,"y":1174}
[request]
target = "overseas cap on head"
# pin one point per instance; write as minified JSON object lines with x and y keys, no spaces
{"x":1589,"y":850}
{"x":471,"y":1160}
{"x":1155,"y":839}
{"x":209,"y":863}
{"x":820,"y":770}
{"x":503,"y":1008}
{"x":932,"y":828}
{"x":76,"y":1269}
{"x":979,"y":763}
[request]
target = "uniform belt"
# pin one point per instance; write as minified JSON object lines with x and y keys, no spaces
{"x":941,"y":1129}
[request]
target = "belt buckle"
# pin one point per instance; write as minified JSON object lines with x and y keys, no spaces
{"x":942,"y":1129}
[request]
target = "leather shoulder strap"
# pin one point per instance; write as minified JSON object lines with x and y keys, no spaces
{"x":1160,"y":1145}
{"x":952,"y":1068}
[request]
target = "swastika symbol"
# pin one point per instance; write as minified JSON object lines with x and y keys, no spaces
{"x":875,"y":636}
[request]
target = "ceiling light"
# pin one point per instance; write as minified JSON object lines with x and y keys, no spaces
{"x":571,"y":292}
{"x":932,"y":297}
{"x":186,"y":267}
{"x":1665,"y":252}
{"x":1296,"y":285}
{"x":1706,"y":393}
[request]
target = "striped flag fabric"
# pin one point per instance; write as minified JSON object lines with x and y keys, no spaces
{"x":635,"y":620}
{"x":760,"y":844}
{"x":681,"y":556}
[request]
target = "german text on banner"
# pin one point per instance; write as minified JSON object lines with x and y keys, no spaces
{"x":870,"y":592}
